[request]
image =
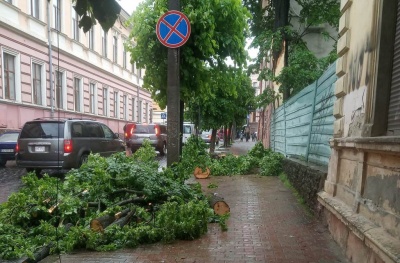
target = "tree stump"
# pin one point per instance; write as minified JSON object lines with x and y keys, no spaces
{"x":200,"y":174}
{"x":218,"y":204}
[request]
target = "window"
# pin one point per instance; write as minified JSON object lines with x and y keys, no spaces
{"x":116,"y":102}
{"x":105,"y":101}
{"x":104,"y":43}
{"x":35,"y":8}
{"x":75,"y":24}
{"x":133,"y":68}
{"x":9,"y":76}
{"x":133,"y":109}
{"x":77,"y":94}
{"x":124,"y":64}
{"x":59,"y":89}
{"x":57,"y":14}
{"x":37,"y":83}
{"x":140,"y":111}
{"x":125,"y":101}
{"x":92,"y":98}
{"x":115,"y":49}
{"x":91,"y":38}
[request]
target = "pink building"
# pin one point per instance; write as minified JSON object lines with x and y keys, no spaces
{"x":50,"y":68}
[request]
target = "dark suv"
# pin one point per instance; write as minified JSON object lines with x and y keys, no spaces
{"x":63,"y":143}
{"x":137,"y":133}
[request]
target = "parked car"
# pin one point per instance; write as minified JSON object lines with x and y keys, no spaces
{"x":137,"y":133}
{"x":46,"y":143}
{"x":206,"y":136}
{"x":8,"y":143}
{"x":188,"y":130}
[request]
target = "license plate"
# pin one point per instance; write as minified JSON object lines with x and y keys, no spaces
{"x":39,"y":148}
{"x":7,"y":150}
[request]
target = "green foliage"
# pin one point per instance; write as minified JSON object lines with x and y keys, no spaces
{"x":165,"y":208}
{"x":271,"y":164}
{"x":105,"y":12}
{"x":232,"y":165}
{"x":271,"y":32}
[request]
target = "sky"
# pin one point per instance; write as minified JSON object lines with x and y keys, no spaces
{"x":130,"y":5}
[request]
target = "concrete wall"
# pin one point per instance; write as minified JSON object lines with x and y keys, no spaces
{"x":362,"y":190}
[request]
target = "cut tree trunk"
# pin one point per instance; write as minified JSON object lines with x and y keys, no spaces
{"x":124,"y":220}
{"x":218,"y":204}
{"x":100,"y":223}
{"x":200,"y":174}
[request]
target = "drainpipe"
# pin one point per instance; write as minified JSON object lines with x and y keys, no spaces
{"x":50,"y":61}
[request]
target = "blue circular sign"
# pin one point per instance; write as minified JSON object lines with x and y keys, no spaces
{"x":173,"y":29}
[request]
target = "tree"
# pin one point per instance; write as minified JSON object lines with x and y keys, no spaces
{"x":275,"y":31}
{"x":105,"y":12}
{"x":228,"y":103}
{"x":218,"y":31}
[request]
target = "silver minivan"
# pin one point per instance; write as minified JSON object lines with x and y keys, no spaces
{"x":63,"y":143}
{"x":137,"y":133}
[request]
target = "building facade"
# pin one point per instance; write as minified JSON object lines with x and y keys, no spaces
{"x":50,"y":68}
{"x":361,"y":196}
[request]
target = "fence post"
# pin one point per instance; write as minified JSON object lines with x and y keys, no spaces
{"x":312,"y":118}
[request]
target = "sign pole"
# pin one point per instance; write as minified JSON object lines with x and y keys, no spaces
{"x":173,"y":98}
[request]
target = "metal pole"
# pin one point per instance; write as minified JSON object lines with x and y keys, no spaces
{"x":173,"y":98}
{"x":50,"y":61}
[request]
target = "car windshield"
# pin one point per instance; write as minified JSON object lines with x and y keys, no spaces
{"x":144,"y":129}
{"x":43,"y":130}
{"x":9,"y":137}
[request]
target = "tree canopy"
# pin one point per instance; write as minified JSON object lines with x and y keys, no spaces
{"x":218,"y":31}
{"x":273,"y":29}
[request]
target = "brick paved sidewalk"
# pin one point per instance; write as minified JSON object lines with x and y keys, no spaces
{"x":266,"y":224}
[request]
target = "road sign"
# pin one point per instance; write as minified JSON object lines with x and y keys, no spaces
{"x":173,"y":29}
{"x":163,"y":115}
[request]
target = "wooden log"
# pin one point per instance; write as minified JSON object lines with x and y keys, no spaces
{"x":123,"y":220}
{"x":100,"y":223}
{"x":200,"y":174}
{"x":218,"y":204}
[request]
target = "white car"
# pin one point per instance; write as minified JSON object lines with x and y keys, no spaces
{"x":206,"y":136}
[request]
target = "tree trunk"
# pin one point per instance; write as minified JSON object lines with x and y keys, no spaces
{"x":200,"y":174}
{"x":100,"y":223}
{"x":218,"y":204}
{"x":123,"y":220}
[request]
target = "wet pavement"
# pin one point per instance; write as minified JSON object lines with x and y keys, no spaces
{"x":267,"y":224}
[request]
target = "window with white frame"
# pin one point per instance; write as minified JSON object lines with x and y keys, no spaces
{"x":115,"y":49}
{"x":9,"y":73}
{"x":77,"y":94}
{"x":116,"y":104}
{"x":124,"y":54}
{"x":92,"y":98}
{"x":38,"y":83}
{"x":60,"y":89}
{"x":91,"y":38}
{"x":133,"y":68}
{"x":57,"y":14}
{"x":105,"y":101}
{"x":133,"y":109}
{"x":104,"y":43}
{"x":140,"y":111}
{"x":125,"y":101}
{"x":75,"y":24}
{"x":35,"y":8}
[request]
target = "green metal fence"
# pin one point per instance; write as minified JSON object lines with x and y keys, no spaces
{"x":302,"y":126}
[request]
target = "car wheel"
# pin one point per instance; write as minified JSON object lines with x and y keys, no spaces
{"x":37,"y":171}
{"x":3,"y":162}
{"x":163,"y":150}
{"x":83,"y":159}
